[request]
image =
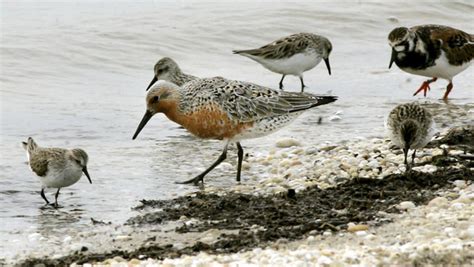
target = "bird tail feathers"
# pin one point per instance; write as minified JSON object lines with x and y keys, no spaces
{"x":30,"y":145}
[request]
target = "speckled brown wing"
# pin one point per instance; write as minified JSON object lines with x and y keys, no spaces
{"x":41,"y":159}
{"x":39,"y":163}
{"x":281,"y":48}
{"x":458,"y":45}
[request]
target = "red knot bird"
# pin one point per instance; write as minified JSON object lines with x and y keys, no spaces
{"x":56,"y":167}
{"x":292,"y":55}
{"x":410,"y":126}
{"x":168,"y":70}
{"x":217,"y":108}
{"x":433,"y":51}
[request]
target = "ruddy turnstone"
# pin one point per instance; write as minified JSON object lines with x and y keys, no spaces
{"x":410,"y":126}
{"x":56,"y":167}
{"x":168,"y":70}
{"x":292,"y":55}
{"x":433,"y":51}
{"x":217,"y":108}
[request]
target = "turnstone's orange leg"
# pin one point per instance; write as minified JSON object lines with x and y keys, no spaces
{"x":281,"y":82}
{"x":448,"y":89}
{"x":302,"y":84}
{"x":200,"y":177}
{"x":425,"y":86}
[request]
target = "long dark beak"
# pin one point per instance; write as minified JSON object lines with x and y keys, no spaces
{"x":151,"y":83}
{"x":392,"y":59}
{"x":326,"y":60}
{"x":87,"y":174}
{"x":142,"y":124}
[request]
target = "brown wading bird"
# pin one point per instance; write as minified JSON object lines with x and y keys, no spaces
{"x":56,"y":167}
{"x":217,"y":108}
{"x":168,"y":70}
{"x":433,"y":51}
{"x":292,"y":55}
{"x":410,"y":126}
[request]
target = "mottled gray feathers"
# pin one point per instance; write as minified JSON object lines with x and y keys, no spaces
{"x":244,"y":101}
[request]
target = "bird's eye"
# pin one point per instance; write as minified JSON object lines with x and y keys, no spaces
{"x":78,"y":162}
{"x":164,"y":69}
{"x":155,"y":99}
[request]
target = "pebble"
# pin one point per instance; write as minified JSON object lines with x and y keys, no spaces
{"x":406,"y":205}
{"x":361,"y":233}
{"x":458,"y":205}
{"x":357,"y":227}
{"x":123,"y":237}
{"x":438,"y":202}
{"x":470,"y":231}
{"x":324,"y":260}
{"x":134,"y":262}
{"x":460,"y":184}
{"x":287,"y":142}
{"x":225,"y":166}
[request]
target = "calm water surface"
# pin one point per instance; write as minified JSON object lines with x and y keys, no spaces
{"x":74,"y":75}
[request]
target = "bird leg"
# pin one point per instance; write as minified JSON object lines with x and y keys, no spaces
{"x":281,"y":82}
{"x":43,"y":196}
{"x":56,"y":198}
{"x":425,"y":86}
{"x":448,"y":89}
{"x":200,"y":177}
{"x":302,"y":84}
{"x":413,"y":157}
{"x":240,"y":154}
{"x":405,"y":153}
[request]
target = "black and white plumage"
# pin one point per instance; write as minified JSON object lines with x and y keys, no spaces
{"x":292,"y":55}
{"x":56,"y":167}
{"x":433,"y":51}
{"x":410,"y":126}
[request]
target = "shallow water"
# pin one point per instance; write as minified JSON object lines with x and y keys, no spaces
{"x":74,"y":75}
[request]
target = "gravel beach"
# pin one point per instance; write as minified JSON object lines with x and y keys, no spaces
{"x":439,"y":233}
{"x":329,"y":204}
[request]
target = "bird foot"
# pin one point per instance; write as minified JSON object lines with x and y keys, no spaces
{"x":195,"y":180}
{"x":50,"y":205}
{"x":54,"y":205}
{"x":425,"y":87}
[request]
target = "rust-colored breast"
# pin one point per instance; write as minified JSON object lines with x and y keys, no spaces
{"x":209,"y":122}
